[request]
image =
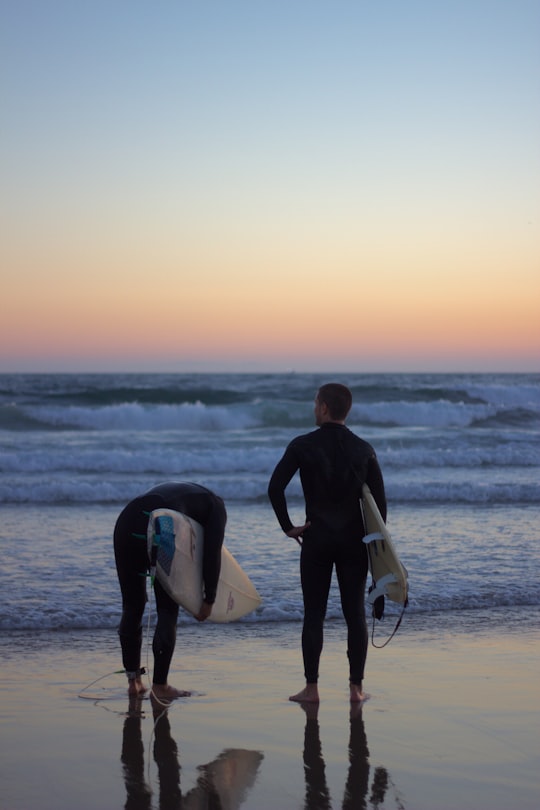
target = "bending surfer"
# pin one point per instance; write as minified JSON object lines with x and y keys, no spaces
{"x":131,"y":556}
{"x":334,"y":463}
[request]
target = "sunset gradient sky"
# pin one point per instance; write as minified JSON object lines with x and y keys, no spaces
{"x":270,"y":185}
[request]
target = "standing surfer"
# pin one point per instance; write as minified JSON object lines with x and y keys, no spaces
{"x":132,"y":564}
{"x":334,"y":463}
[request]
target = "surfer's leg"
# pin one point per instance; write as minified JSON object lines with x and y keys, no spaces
{"x":351,"y":579}
{"x":316,"y":576}
{"x":163,"y":644}
{"x":130,"y":634}
{"x":131,"y":562}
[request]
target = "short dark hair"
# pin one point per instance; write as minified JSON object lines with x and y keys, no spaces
{"x":337,"y":398}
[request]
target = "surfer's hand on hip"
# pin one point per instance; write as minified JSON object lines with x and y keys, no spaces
{"x":297,"y":532}
{"x":204,"y":612}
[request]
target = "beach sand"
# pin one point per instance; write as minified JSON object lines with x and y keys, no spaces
{"x":452,"y":721}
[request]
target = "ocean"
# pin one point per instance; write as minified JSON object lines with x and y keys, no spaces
{"x":459,"y":453}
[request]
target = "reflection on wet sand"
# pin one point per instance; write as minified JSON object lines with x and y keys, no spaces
{"x":355,"y":794}
{"x":223,"y":784}
{"x":138,"y":794}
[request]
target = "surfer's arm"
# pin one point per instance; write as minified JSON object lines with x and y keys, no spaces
{"x":211,"y":568}
{"x":284,"y":471}
{"x":214,"y":533}
{"x":375,"y":482}
{"x":204,"y":612}
{"x":297,"y":532}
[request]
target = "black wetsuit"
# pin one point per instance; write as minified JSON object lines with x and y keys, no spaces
{"x":334,"y":463}
{"x":130,"y":551}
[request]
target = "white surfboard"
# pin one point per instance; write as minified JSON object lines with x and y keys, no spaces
{"x":388,"y":573}
{"x":179,"y":561}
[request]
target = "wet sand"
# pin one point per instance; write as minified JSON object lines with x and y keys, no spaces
{"x":452,"y":721}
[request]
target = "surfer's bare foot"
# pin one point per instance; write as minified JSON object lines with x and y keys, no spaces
{"x":136,"y":687}
{"x":162,"y":691}
{"x":310,"y":694}
{"x":357,"y":695}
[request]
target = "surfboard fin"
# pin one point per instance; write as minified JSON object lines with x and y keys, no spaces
{"x":370,"y":538}
{"x":377,"y":608}
{"x":379,"y":588}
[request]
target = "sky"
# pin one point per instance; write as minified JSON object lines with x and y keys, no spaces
{"x":267,"y":185}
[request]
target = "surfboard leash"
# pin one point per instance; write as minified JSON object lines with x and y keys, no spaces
{"x":394,"y":631}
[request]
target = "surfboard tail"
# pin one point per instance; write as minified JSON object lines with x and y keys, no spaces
{"x":390,"y":578}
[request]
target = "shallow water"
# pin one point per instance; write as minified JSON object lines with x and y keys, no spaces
{"x":58,"y":564}
{"x":459,"y":453}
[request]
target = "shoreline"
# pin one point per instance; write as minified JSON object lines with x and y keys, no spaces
{"x":451,"y":721}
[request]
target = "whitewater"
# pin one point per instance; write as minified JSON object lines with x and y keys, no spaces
{"x":459,"y":453}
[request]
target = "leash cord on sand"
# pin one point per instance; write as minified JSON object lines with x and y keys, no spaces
{"x":97,"y":680}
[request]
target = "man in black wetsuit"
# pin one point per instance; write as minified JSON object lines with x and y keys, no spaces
{"x":132,"y":564}
{"x":334,"y":463}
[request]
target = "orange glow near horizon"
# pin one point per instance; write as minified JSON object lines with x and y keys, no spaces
{"x":259,"y":206}
{"x":327,"y":318}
